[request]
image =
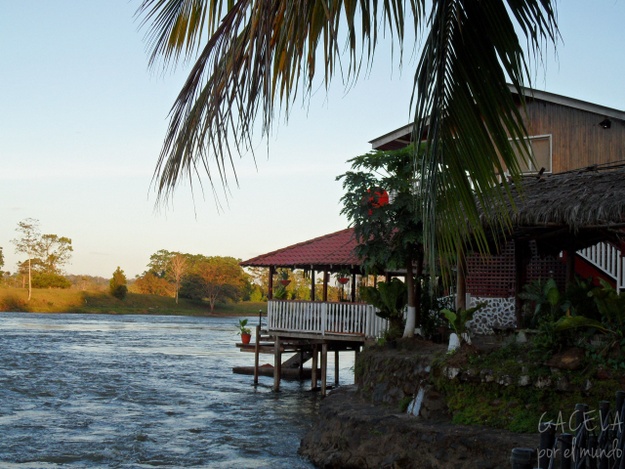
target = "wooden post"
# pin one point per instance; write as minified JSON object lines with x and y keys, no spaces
{"x":277,"y":365}
{"x":521,"y":259}
{"x":570,"y":266}
{"x":336,"y":368}
{"x":324,"y":368}
{"x":325,"y":285}
{"x":256,"y":354}
{"x":356,"y":353}
{"x":461,"y":281}
{"x":312,"y":285}
{"x":313,"y":375}
{"x":272,"y":270}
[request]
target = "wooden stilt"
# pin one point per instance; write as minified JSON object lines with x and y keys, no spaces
{"x":313,"y":376}
{"x":256,"y":354}
{"x":324,"y":368}
{"x":277,"y":365}
{"x":336,"y":368}
{"x":356,"y":353}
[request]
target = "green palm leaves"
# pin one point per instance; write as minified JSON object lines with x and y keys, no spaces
{"x":253,"y":58}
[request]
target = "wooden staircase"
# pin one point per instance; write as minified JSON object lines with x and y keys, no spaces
{"x":607,"y":258}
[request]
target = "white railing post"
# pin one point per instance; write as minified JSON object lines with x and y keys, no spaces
{"x":608,"y":259}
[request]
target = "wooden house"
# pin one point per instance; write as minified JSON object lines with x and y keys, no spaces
{"x":577,"y":148}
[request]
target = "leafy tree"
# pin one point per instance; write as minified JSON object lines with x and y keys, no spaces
{"x":215,"y":279}
{"x":151,"y":284}
{"x":1,"y":258}
{"x":390,"y":235}
{"x":53,"y":252}
{"x":176,"y":269}
{"x":118,"y":284}
{"x":254,"y":56}
{"x":27,"y":243}
{"x":46,"y":253}
{"x":159,"y":262}
{"x":169,"y":267}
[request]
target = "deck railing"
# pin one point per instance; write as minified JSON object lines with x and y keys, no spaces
{"x":318,"y":317}
{"x":608,"y":258}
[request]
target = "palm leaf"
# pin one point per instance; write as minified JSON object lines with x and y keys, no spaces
{"x":465,"y":112}
{"x":254,"y":58}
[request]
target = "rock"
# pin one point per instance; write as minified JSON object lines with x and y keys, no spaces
{"x":571,"y":359}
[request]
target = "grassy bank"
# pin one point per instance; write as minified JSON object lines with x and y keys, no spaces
{"x":75,"y":301}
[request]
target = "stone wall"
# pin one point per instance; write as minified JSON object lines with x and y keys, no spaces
{"x":498,"y":313}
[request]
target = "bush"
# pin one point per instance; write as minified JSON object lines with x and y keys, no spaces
{"x":120,"y":291}
{"x":50,"y":280}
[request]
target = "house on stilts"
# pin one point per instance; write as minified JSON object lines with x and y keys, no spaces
{"x":312,"y":329}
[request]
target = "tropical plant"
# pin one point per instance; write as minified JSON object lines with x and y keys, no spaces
{"x":253,"y":57}
{"x":542,"y":301}
{"x":389,"y":235}
{"x":458,"y":319}
{"x":390,"y":299}
{"x":242,"y":327}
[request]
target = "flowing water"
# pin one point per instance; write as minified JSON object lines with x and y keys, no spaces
{"x":95,"y":391}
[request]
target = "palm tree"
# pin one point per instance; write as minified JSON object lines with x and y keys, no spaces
{"x":253,"y":58}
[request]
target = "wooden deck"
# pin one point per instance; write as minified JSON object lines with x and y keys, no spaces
{"x":310,"y":330}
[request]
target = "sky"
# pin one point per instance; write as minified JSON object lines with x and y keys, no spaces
{"x":83,"y":118}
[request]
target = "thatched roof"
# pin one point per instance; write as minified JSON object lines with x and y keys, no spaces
{"x":570,"y":210}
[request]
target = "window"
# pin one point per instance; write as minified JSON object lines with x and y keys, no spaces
{"x":540,"y":149}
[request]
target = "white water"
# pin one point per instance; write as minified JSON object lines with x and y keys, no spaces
{"x":85,"y":391}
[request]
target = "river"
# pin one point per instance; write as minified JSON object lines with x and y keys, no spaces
{"x":90,"y":391}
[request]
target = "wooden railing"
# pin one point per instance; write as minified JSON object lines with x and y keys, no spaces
{"x":607,"y":258}
{"x":318,"y":317}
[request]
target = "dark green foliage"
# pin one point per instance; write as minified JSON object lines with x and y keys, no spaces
{"x":458,"y":319}
{"x":120,"y":292}
{"x":583,"y":315}
{"x":390,"y":299}
{"x":389,"y":234}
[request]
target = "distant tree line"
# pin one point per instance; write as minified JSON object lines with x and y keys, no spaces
{"x":213,"y":279}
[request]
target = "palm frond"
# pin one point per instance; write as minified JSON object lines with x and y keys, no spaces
{"x":465,"y":112}
{"x":260,"y":55}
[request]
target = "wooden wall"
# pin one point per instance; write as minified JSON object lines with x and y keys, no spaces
{"x":577,"y":138}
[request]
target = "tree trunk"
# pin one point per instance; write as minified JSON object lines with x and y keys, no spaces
{"x":411,"y":318}
{"x":30,"y":281}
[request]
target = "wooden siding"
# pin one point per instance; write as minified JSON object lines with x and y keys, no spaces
{"x":577,"y":138}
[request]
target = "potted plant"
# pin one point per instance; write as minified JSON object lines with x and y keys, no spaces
{"x":458,"y":322}
{"x":283,"y":276}
{"x":246,"y":332}
{"x":343,"y":276}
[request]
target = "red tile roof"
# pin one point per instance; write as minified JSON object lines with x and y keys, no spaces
{"x":335,"y":249}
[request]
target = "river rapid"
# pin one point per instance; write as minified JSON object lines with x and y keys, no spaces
{"x":91,"y":391}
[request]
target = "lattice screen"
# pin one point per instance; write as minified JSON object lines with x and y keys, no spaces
{"x":494,"y":276}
